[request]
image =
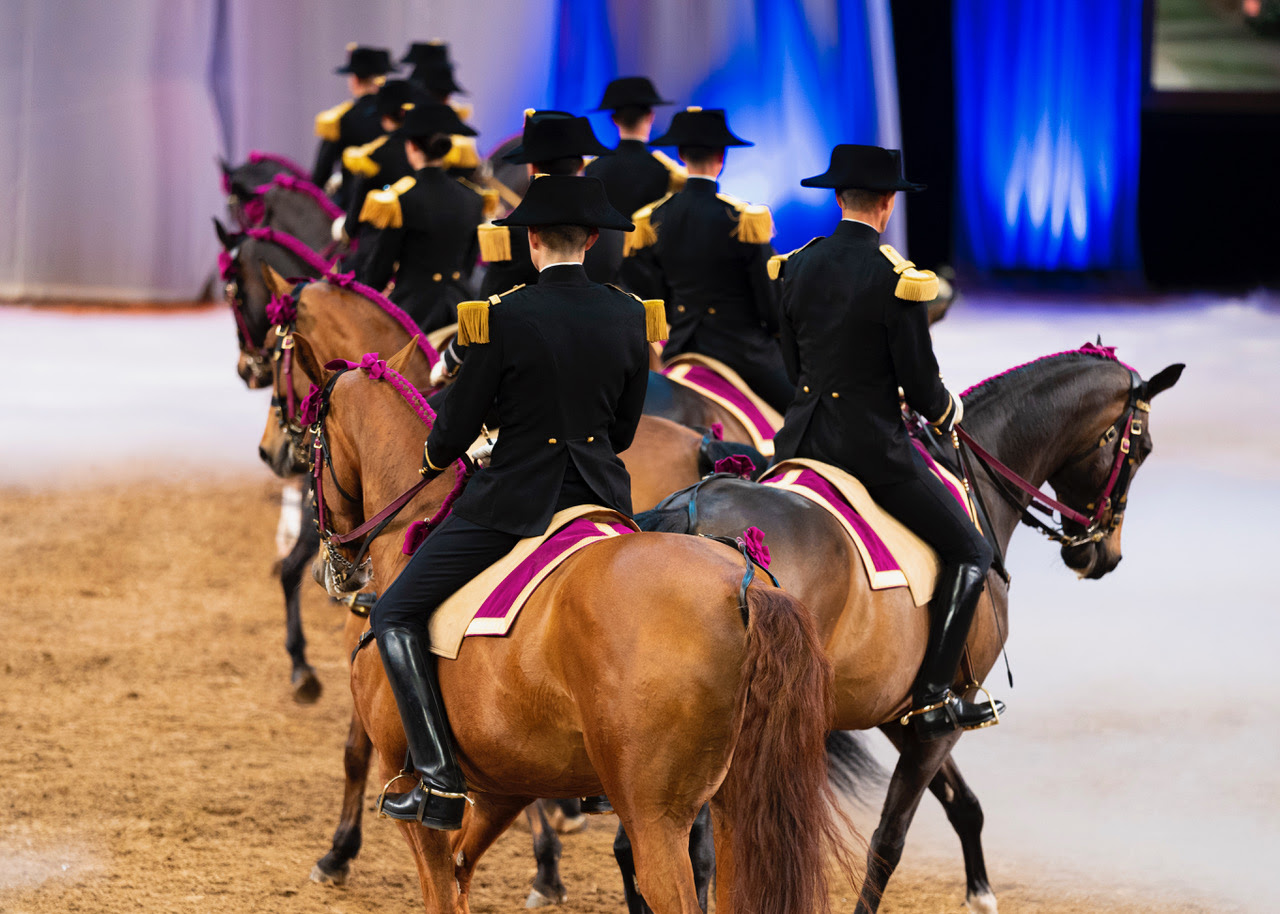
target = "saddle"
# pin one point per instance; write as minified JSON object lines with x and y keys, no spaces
{"x":892,"y":555}
{"x":489,"y":604}
{"x":718,"y":382}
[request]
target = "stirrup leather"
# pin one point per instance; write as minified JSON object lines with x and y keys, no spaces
{"x":426,"y":793}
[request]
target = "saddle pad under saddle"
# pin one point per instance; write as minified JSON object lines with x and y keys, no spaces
{"x":892,"y":555}
{"x":717,"y":381}
{"x":489,"y":604}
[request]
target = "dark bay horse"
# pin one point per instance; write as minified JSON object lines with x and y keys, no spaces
{"x":1055,"y":420}
{"x":665,"y":706}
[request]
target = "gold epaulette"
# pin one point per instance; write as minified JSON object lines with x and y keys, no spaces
{"x":755,"y":222}
{"x":777,"y":260}
{"x":644,"y":234}
{"x":357,"y":159}
{"x":327,"y":122}
{"x":492,"y":199}
{"x":677,"y":174}
{"x":655,"y":315}
{"x":495,"y":243}
{"x":462,"y":154}
{"x":473,"y":318}
{"x":381,"y":208}
{"x":913,"y":284}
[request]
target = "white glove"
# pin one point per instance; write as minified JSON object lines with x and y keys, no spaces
{"x":480,"y":456}
{"x":951,"y":418}
{"x":439,"y":375}
{"x":335,"y":181}
{"x":339,"y":229}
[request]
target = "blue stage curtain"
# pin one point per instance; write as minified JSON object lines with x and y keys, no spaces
{"x":1047,"y":127}
{"x":583,"y":60}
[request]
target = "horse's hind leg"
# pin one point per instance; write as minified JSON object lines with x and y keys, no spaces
{"x":335,"y":866}
{"x":664,"y":874}
{"x":547,"y":886}
{"x":306,"y":686}
{"x":918,"y":763}
{"x":486,"y":820}
{"x":702,"y":855}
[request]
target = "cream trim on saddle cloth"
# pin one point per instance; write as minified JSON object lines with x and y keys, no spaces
{"x":436,"y":339}
{"x":676,"y":370}
{"x":455,"y":619}
{"x":916,"y":559}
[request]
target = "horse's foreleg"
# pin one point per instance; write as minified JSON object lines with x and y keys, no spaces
{"x":918,"y":762}
{"x":702,"y":854}
{"x":627,"y":867}
{"x":547,"y":886}
{"x":306,"y":686}
{"x":484,"y":823}
{"x":334,"y":866}
{"x":965,"y":814}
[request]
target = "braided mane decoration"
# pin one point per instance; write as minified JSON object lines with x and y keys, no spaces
{"x":302,"y":186}
{"x":284,"y":162}
{"x":1098,"y":351}
{"x":379,"y":370}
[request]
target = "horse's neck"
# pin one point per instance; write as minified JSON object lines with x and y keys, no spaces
{"x":298,"y":215}
{"x":347,"y":325}
{"x":1040,"y":421}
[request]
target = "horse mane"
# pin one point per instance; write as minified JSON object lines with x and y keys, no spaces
{"x":302,"y":186}
{"x":993,"y":385}
{"x":288,"y":164}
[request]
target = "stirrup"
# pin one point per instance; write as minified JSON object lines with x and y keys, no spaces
{"x":944,"y":702}
{"x":995,"y":711}
{"x":426,"y":792}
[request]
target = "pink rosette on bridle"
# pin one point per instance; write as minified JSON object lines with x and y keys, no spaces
{"x":226,"y":266}
{"x":374,"y":365}
{"x":341,"y":280}
{"x":281,"y":310}
{"x":255,"y":210}
{"x":309,"y":409}
{"x":753,"y":539}
{"x":739,"y":465}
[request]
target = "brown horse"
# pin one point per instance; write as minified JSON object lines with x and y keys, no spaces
{"x":1052,"y":420}
{"x":664,"y":706}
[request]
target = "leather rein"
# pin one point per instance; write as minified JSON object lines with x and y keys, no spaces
{"x":1114,"y":494}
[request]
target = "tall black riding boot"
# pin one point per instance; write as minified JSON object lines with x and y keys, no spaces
{"x":440,"y":797}
{"x":937,"y":711}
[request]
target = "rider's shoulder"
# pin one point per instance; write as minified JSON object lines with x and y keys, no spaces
{"x":778,"y":263}
{"x":476,"y":317}
{"x":911,"y":284}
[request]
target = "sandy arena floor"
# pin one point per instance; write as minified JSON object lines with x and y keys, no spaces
{"x":152,"y":758}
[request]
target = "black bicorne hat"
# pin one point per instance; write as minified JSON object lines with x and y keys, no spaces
{"x":430,"y":118}
{"x":696,"y":126}
{"x":863,"y":168}
{"x":631,"y":90}
{"x":556,"y":135}
{"x":437,"y":79}
{"x":567,"y":200}
{"x":427,"y":53}
{"x":365,"y":62}
{"x":394,"y":94}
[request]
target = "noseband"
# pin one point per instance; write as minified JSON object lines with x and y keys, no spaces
{"x":1114,"y":493}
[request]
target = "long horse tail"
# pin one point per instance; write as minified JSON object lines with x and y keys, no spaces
{"x":780,"y":809}
{"x":851,"y":766}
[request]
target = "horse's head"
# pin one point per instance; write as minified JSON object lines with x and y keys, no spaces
{"x":1104,"y":472}
{"x":247,"y":297}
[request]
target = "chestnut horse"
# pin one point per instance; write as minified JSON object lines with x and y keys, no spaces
{"x":664,"y":704}
{"x":1055,"y":420}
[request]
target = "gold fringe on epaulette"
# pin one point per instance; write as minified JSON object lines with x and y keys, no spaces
{"x":677,"y":174}
{"x":327,"y":122}
{"x":913,"y":284}
{"x":356,"y":159}
{"x":755,"y":224}
{"x":462,"y":154}
{"x":473,"y":322}
{"x":655,"y":320}
{"x":644,"y":234}
{"x":495,"y":243}
{"x":381,"y":208}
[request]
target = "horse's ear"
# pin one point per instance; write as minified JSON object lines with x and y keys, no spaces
{"x":225,"y":166}
{"x":401,"y":358}
{"x":305,"y":358}
{"x":276,"y":284}
{"x":1164,"y":379}
{"x":227,"y":239}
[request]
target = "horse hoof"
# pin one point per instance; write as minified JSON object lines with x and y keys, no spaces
{"x":537,"y":900}
{"x":982,"y":904}
{"x":306,"y":688}
{"x":337,"y":877}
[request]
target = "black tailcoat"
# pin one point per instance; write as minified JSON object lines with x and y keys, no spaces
{"x":851,"y":343}
{"x":632,"y":176}
{"x":393,"y":164}
{"x":360,"y":124}
{"x":433,"y":249}
{"x":566,"y":368}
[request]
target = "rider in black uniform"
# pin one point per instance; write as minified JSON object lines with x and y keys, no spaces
{"x":565,"y":364}
{"x":854,"y":330}
{"x":354,"y":122}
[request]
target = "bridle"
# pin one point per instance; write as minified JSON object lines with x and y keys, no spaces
{"x":343,"y":567}
{"x":283,"y":314}
{"x":1108,"y":507}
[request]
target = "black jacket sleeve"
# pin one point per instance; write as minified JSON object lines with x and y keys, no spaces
{"x":327,"y":158}
{"x":458,"y":424}
{"x":762,"y":288}
{"x":787,"y":334}
{"x":914,"y":364}
{"x":378,"y":266}
{"x":630,"y":407}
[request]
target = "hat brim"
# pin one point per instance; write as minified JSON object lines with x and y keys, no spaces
{"x":723,"y":142}
{"x":362,"y":73}
{"x":654,"y":102}
{"x":517,"y":156}
{"x":834,"y":182}
{"x":401,"y":134}
{"x":611,"y":220}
